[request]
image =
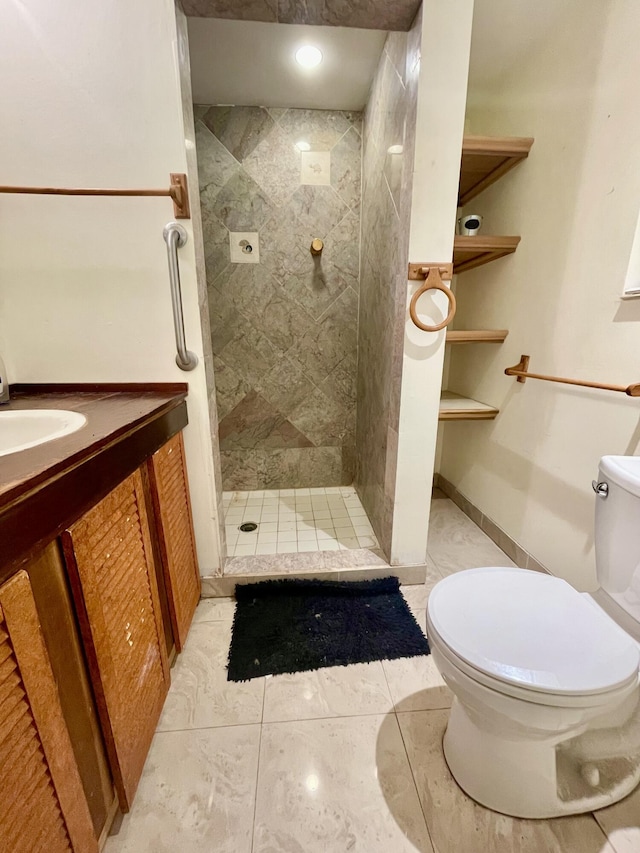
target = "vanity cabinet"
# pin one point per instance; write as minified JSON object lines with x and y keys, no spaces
{"x":99,"y":582}
{"x":42,"y":807}
{"x":112,"y":572}
{"x":169,"y":490}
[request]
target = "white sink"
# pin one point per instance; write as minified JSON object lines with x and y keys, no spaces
{"x":24,"y":428}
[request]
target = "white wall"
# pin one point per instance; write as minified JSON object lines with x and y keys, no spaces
{"x":90,"y":96}
{"x":446,"y":35}
{"x":575,"y":202}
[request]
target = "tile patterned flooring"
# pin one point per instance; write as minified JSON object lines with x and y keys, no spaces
{"x":341,"y":760}
{"x":297,"y":520}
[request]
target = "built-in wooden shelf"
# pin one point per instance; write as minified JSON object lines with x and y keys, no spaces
{"x":470,"y":252}
{"x":454,"y":407}
{"x":487,"y":158}
{"x":477,"y":336}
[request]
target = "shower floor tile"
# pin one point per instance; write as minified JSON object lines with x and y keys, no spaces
{"x":296,"y":520}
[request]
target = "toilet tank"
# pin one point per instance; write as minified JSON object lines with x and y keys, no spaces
{"x":617,"y":531}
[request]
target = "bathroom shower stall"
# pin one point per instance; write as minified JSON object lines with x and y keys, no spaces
{"x":309,"y":211}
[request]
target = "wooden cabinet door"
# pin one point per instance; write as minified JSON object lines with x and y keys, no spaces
{"x":42,"y":804}
{"x":112,"y":574}
{"x":170,"y":493}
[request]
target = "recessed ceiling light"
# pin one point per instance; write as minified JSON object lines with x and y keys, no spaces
{"x":308,"y":56}
{"x":303,"y":146}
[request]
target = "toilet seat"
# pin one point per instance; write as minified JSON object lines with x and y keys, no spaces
{"x":531,"y":636}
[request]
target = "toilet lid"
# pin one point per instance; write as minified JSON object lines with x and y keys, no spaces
{"x":532,"y":630}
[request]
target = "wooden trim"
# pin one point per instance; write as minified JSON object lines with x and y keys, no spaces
{"x":468,"y":415}
{"x":21,"y":618}
{"x":507,"y":151}
{"x":484,"y":336}
{"x":99,"y":387}
{"x":462,"y":413}
{"x":483,"y":250}
{"x":56,"y":614}
{"x":156,"y":537}
{"x":181,"y":574}
{"x":128,"y":734}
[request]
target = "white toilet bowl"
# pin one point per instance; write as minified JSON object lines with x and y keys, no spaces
{"x":546,"y":715}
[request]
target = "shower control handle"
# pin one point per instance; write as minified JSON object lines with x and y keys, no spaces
{"x":601,"y":489}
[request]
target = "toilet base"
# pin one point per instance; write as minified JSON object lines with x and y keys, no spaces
{"x":520,"y":778}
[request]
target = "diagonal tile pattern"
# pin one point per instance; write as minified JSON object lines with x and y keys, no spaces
{"x":340,"y":759}
{"x":284,"y":331}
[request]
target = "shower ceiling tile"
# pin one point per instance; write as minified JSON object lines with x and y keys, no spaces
{"x":239,"y":129}
{"x":366,"y":14}
{"x":241,"y":205}
{"x":248,"y":10}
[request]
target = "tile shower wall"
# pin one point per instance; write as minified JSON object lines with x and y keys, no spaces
{"x":283,"y":330}
{"x":389,"y":144}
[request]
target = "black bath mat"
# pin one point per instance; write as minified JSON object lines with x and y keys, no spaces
{"x":297,"y":625}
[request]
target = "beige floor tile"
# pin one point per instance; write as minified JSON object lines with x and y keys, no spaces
{"x":415,"y":683}
{"x":453,"y":557}
{"x":332,"y":786}
{"x":215,"y":610}
{"x":335,"y":691}
{"x":196,"y":794}
{"x":458,"y":825}
{"x":621,"y":822}
{"x":200,"y":695}
{"x":456,"y":543}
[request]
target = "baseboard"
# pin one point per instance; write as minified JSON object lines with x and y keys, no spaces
{"x":512,"y":549}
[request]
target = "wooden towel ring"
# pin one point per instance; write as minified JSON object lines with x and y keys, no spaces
{"x":433,"y":281}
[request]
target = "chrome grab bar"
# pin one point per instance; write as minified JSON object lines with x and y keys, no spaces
{"x":175,"y":236}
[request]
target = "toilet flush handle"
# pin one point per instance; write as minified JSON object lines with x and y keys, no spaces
{"x":601,"y":489}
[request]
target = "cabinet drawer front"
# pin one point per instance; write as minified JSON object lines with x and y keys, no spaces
{"x":111,"y":567}
{"x":170,"y":490}
{"x":42,"y":807}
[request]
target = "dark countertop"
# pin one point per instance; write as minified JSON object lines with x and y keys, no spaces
{"x":44,"y":488}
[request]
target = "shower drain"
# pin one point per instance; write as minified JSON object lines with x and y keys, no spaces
{"x":248,"y":526}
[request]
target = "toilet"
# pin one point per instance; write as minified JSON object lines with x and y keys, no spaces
{"x":545,"y":719}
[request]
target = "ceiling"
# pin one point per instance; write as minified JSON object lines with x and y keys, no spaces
{"x":249,"y":63}
{"x":506,"y":30}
